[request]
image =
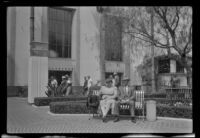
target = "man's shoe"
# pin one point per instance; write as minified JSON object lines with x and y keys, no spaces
{"x":133,"y":120}
{"x":104,"y":119}
{"x":116,"y":119}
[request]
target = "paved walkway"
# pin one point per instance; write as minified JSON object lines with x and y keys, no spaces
{"x":24,"y":118}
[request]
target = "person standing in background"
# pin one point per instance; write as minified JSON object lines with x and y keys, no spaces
{"x":116,"y":80}
{"x":89,"y":84}
{"x":69,"y":87}
{"x":54,"y":85}
{"x":85,"y":85}
{"x":64,"y":85}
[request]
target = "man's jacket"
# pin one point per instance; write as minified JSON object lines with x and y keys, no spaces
{"x":124,"y":94}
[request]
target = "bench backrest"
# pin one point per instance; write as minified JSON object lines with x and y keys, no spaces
{"x":139,"y":94}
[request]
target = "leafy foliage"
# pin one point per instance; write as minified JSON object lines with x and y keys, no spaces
{"x":172,"y":28}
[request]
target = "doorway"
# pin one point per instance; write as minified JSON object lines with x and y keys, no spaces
{"x":58,"y":74}
{"x":120,"y":74}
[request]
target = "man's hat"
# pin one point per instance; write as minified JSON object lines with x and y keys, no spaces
{"x":125,"y":79}
{"x":63,"y":77}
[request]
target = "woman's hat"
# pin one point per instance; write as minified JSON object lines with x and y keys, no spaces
{"x":125,"y":79}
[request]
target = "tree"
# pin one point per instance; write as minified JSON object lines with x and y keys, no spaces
{"x":172,"y":29}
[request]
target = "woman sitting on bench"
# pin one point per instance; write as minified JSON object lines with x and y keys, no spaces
{"x":108,"y":95}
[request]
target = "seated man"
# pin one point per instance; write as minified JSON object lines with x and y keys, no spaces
{"x":126,"y":95}
{"x":108,"y":95}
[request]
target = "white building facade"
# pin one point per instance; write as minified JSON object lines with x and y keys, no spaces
{"x":45,"y":41}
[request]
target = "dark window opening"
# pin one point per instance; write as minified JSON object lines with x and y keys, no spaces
{"x":179,"y":68}
{"x":58,"y":74}
{"x":164,"y":66}
{"x":113,"y":38}
{"x":60,"y":29}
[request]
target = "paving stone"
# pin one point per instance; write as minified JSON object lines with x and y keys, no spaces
{"x":24,"y":118}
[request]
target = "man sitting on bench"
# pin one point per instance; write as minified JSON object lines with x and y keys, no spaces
{"x":126,"y":95}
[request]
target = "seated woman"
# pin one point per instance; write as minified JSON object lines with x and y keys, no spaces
{"x":108,"y":95}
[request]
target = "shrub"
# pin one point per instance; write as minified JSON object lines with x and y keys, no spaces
{"x":176,"y":112}
{"x":45,"y":101}
{"x":12,"y":91}
{"x":15,"y":91}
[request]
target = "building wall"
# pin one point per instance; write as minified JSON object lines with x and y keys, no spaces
{"x":89,"y":44}
{"x":18,"y":45}
{"x":11,"y":31}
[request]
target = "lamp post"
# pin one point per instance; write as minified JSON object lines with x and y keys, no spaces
{"x":152,"y":52}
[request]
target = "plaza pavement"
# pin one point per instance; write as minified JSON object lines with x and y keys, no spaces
{"x":24,"y":118}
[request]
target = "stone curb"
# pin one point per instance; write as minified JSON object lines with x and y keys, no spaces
{"x":165,"y":118}
{"x":39,"y":106}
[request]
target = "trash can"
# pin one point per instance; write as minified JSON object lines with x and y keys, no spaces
{"x":151,"y":110}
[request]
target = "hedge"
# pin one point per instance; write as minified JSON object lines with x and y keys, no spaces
{"x":176,"y":112}
{"x":70,"y":107}
{"x":168,"y":101}
{"x":75,"y":107}
{"x":155,"y":95}
{"x":17,"y":91}
{"x":45,"y":101}
{"x":79,"y":107}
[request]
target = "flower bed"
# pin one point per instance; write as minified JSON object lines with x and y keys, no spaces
{"x":45,"y":101}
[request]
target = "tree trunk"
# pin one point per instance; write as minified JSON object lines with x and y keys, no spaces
{"x":188,"y":68}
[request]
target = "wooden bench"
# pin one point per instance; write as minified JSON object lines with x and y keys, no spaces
{"x":124,"y":108}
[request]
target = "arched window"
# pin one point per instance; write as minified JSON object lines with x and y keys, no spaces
{"x":113,"y":38}
{"x":60,"y":29}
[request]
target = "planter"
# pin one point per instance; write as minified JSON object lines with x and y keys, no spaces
{"x":176,"y":112}
{"x":70,"y":107}
{"x":45,"y":101}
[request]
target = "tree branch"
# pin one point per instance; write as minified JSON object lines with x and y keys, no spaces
{"x":177,"y":21}
{"x":154,"y":42}
{"x":189,"y":39}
